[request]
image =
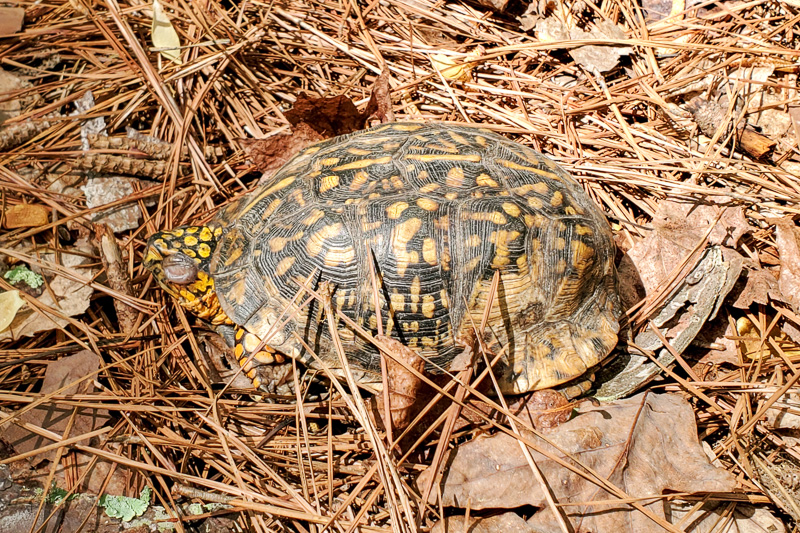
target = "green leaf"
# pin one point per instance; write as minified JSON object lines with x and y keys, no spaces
{"x":125,"y":508}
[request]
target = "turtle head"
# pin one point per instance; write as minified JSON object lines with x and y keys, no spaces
{"x":180,"y":261}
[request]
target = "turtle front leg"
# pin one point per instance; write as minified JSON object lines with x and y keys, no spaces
{"x":266,"y":368}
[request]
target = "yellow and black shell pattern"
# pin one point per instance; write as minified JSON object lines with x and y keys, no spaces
{"x":440,"y":208}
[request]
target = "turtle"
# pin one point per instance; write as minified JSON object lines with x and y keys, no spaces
{"x":428,"y":216}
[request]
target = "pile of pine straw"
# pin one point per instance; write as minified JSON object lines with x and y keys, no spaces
{"x":243,"y":65}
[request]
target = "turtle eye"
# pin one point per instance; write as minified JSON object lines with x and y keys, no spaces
{"x":179,"y":269}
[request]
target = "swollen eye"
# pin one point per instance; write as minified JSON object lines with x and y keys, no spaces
{"x":179,"y":268}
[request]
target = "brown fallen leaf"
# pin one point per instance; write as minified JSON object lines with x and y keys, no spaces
{"x":55,"y":417}
{"x":543,"y":409}
{"x":787,"y":240}
{"x":761,"y":286}
{"x":314,"y":120}
{"x":677,"y":228}
{"x":645,"y":445}
{"x":327,"y":116}
{"x":592,"y":57}
{"x":71,"y":297}
{"x":117,"y":276}
{"x":505,"y":523}
{"x":11,"y":19}
{"x":270,"y":154}
{"x":380,"y":101}
{"x":403,"y":384}
{"x":26,"y":216}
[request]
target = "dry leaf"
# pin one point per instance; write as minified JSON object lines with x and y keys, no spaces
{"x":754,"y":349}
{"x":761,"y":286}
{"x":677,"y":228}
{"x":26,"y":216}
{"x":403,"y":384}
{"x":380,"y":100}
{"x":543,"y":409}
{"x":601,"y":58}
{"x":787,"y":239}
{"x":164,"y":36}
{"x":327,"y":116}
{"x":502,"y":523}
{"x":11,"y":19}
{"x":55,"y":417}
{"x":270,"y":154}
{"x":10,"y":303}
{"x":72,"y":297}
{"x":453,"y":70}
{"x":644,"y":445}
{"x":316,"y":119}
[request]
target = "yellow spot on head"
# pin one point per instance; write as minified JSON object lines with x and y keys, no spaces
{"x":264,"y":357}
{"x":396,"y":209}
{"x":190,"y":241}
{"x":177,"y":232}
{"x":204,"y":250}
{"x":205,"y":234}
{"x":192,"y":229}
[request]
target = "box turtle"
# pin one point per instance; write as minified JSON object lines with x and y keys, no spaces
{"x":439,"y":208}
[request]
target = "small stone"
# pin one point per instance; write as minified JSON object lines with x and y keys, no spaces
{"x":26,"y":216}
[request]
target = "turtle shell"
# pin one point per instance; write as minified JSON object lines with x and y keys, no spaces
{"x":440,"y":209}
